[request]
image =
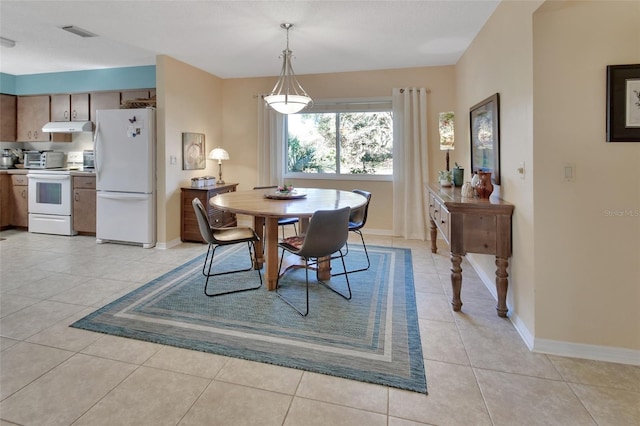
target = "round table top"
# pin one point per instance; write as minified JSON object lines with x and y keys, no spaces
{"x":255,"y":203}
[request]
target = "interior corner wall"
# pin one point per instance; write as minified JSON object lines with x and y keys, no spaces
{"x":189,"y":100}
{"x":499,"y":60}
{"x":587,"y":239}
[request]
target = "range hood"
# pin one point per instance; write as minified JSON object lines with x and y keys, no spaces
{"x":68,"y":127}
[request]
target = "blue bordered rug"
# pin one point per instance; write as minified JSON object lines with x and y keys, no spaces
{"x":373,"y":338}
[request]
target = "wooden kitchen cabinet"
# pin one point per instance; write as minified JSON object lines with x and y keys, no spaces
{"x":8,"y":118}
{"x":189,"y":230}
{"x":33,"y":113}
{"x":103,"y":100}
{"x":19,"y":201}
{"x":73,"y":107}
{"x":5,"y":206}
{"x":84,"y":204}
{"x":131,"y":95}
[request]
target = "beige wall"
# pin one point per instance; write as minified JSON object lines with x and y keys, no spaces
{"x":587,"y":261}
{"x":240,"y":125}
{"x":189,"y":100}
{"x":575,"y":271}
{"x":500,"y":60}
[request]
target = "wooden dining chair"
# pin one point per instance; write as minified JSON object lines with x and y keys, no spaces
{"x":217,"y":237}
{"x":283,"y":221}
{"x":325,"y":237}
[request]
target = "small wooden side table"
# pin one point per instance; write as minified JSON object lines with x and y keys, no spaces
{"x":189,"y":230}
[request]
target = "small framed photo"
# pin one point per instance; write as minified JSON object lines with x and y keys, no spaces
{"x":193,"y":151}
{"x":484,"y":123}
{"x":623,"y":103}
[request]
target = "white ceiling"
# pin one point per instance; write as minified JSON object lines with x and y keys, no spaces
{"x":233,"y":39}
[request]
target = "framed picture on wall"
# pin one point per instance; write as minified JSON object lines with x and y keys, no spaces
{"x":193,"y":151}
{"x":623,"y":103}
{"x":484,"y":123}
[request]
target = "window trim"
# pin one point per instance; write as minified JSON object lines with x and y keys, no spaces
{"x":373,"y":104}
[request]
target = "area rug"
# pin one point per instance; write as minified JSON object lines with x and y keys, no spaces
{"x":374,"y":337}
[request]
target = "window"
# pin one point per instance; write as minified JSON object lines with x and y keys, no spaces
{"x":340,"y":139}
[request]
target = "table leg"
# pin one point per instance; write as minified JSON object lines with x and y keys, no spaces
{"x":271,"y":252}
{"x":433,"y":233}
{"x":456,"y":281}
{"x":258,"y":226}
{"x":502,"y":283}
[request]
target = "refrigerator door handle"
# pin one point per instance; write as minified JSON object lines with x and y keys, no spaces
{"x":132,"y":197}
{"x":96,"y":155}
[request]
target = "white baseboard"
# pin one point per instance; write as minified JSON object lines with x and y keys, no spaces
{"x":169,"y":244}
{"x":556,"y":347}
{"x":594,"y":352}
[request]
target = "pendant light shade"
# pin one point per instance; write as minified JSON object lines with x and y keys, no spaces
{"x":287,"y":96}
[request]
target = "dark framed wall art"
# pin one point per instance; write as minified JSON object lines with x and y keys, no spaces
{"x":484,"y":123}
{"x":193,"y":151}
{"x":623,"y":103}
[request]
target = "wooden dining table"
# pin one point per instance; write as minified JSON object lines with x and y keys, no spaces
{"x":266,"y":212}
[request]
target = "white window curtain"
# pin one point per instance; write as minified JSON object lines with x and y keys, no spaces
{"x":410,"y":162}
{"x":270,"y":145}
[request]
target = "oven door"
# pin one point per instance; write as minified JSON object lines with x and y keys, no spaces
{"x":50,"y":194}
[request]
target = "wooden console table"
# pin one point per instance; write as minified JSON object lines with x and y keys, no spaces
{"x":189,"y":230}
{"x":472,"y":225}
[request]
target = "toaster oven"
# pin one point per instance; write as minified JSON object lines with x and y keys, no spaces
{"x":43,"y":160}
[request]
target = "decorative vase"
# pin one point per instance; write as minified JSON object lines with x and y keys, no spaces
{"x":484,"y":187}
{"x":458,"y":176}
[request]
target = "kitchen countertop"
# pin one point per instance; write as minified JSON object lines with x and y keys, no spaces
{"x":75,"y":172}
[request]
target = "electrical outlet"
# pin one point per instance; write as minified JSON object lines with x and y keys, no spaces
{"x":173,"y":160}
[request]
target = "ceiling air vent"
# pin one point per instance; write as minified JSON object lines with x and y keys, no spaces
{"x":78,"y":31}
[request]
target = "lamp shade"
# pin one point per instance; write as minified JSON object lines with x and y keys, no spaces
{"x":287,"y":104}
{"x":219,"y":154}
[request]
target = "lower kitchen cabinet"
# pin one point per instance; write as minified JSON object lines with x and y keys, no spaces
{"x":20,"y":201}
{"x":5,"y":206}
{"x":84,"y":204}
{"x":189,"y":230}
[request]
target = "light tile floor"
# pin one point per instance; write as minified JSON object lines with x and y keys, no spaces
{"x":478,"y":369}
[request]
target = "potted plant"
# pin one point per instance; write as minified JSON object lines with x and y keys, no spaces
{"x":445,"y":177}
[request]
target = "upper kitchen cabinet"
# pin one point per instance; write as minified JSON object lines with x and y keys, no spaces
{"x":8,"y":118}
{"x":73,"y":107}
{"x":103,"y":100}
{"x":131,"y":95}
{"x":33,"y":113}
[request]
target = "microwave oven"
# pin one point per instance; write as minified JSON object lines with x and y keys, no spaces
{"x":43,"y":160}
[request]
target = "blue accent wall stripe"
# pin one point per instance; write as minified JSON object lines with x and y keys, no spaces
{"x":143,"y":77}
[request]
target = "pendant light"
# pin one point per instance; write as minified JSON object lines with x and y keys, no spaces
{"x":287,"y":96}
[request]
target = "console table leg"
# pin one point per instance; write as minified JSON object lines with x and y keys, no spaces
{"x":433,"y":233}
{"x":456,"y":281}
{"x":501,"y":285}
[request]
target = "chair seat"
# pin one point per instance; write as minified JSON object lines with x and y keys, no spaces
{"x":287,"y":221}
{"x":233,"y":235}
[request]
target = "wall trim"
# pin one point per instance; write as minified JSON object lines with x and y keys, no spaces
{"x":169,"y":244}
{"x":557,"y":347}
{"x":581,"y":350}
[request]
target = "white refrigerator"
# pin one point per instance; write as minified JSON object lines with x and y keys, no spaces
{"x":125,"y":166}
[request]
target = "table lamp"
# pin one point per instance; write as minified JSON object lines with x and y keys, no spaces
{"x":219,"y":154}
